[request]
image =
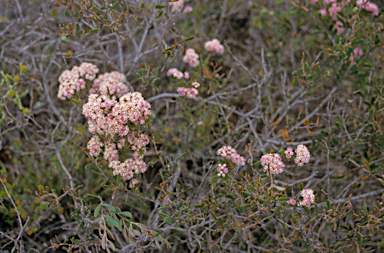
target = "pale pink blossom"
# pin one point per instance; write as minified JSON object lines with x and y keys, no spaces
{"x":133,"y":182}
{"x":188,"y":92}
{"x":175,"y":73}
{"x":231,"y":154}
{"x":222,"y":170}
{"x":186,"y":75}
{"x":188,"y":9}
{"x":313,"y":1}
{"x":272,"y":163}
{"x":94,"y":146}
{"x":308,"y":197}
{"x":288,"y":153}
{"x":334,"y":10}
{"x":214,"y":45}
{"x":339,"y":27}
{"x":372,"y":8}
{"x":191,"y":57}
{"x":176,"y":6}
{"x":291,"y":201}
{"x":195,"y":85}
{"x":302,"y":155}
{"x":323,"y":12}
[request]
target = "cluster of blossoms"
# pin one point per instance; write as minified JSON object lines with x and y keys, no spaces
{"x":188,"y":92}
{"x":291,"y":201}
{"x":302,"y":155}
{"x":272,"y":163}
{"x":177,"y":5}
{"x":115,"y":114}
{"x":308,"y":197}
{"x":74,"y":79}
{"x":110,"y":83}
{"x":357,"y":53}
{"x":191,"y":57}
{"x":222,"y":170}
{"x":214,"y":45}
{"x":128,"y":168}
{"x":176,"y":73}
{"x":230,"y":153}
{"x":335,"y":8}
{"x":195,"y":85}
{"x":288,"y":153}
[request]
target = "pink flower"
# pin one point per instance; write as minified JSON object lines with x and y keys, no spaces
{"x":196,"y":85}
{"x":334,"y":10}
{"x":191,"y":57}
{"x":214,"y":45}
{"x":176,"y":6}
{"x":133,"y":182}
{"x":188,"y":92}
{"x":186,"y":75}
{"x":329,"y":1}
{"x":339,"y":27}
{"x":308,"y":197}
{"x":291,"y":201}
{"x":357,"y":52}
{"x":323,"y":12}
{"x":200,"y":123}
{"x":222,"y":170}
{"x":231,"y":154}
{"x":372,"y":8}
{"x":272,"y":163}
{"x":288,"y":152}
{"x":188,"y":9}
{"x":302,"y":155}
{"x":175,"y":73}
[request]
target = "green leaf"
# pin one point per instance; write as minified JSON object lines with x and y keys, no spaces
{"x":284,"y":198}
{"x":97,"y":210}
{"x":225,"y":225}
{"x":190,"y":38}
{"x":88,"y":166}
{"x":126,"y":214}
{"x":169,"y":219}
{"x":113,"y":7}
{"x":160,"y":6}
{"x":93,"y":31}
{"x":112,"y":221}
{"x":110,"y":207}
{"x":163,"y":207}
{"x":64,"y":38}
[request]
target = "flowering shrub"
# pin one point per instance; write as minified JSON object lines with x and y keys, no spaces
{"x":191,"y":126}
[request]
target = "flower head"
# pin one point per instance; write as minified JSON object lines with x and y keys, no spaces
{"x":214,"y":45}
{"x":191,"y":57}
{"x":302,"y":155}
{"x":288,"y":152}
{"x":272,"y":163}
{"x":291,"y":201}
{"x":231,"y":154}
{"x":188,"y":92}
{"x":222,"y":170}
{"x":308,"y":197}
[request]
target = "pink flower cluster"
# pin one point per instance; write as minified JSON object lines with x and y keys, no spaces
{"x":214,"y":45}
{"x":188,"y":92}
{"x":291,"y":201}
{"x":176,"y":73}
{"x":110,"y":83}
{"x":272,"y":163}
{"x":115,"y":119}
{"x":195,"y":85}
{"x":222,"y":170}
{"x":231,"y":154}
{"x":176,"y":6}
{"x":308,"y":197}
{"x":288,"y":153}
{"x":369,"y":6}
{"x":357,"y":53}
{"x":128,"y":168}
{"x":188,"y":9}
{"x":302,"y":155}
{"x":191,"y":57}
{"x":74,"y":79}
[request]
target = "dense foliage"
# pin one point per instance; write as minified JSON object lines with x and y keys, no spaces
{"x":191,"y":126}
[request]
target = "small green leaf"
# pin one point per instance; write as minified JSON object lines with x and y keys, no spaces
{"x":112,"y":221}
{"x":190,"y":38}
{"x":88,"y":166}
{"x":160,"y":6}
{"x":97,"y":210}
{"x":163,"y":207}
{"x":126,"y":214}
{"x":110,"y":207}
{"x":169,"y":219}
{"x":93,"y":31}
{"x":64,"y":38}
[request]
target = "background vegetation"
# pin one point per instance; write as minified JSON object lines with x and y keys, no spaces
{"x":286,"y":77}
